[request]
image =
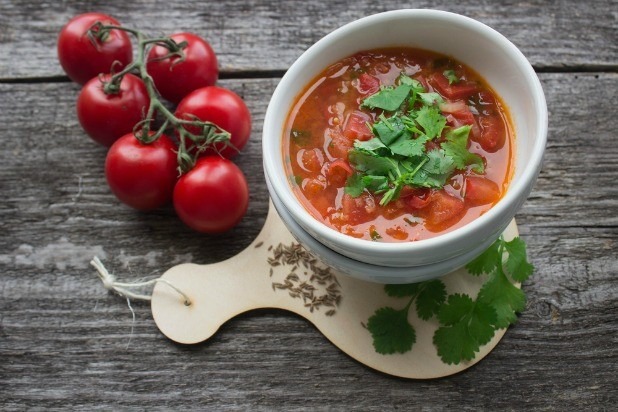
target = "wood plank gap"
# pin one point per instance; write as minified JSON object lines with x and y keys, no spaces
{"x":268,"y":74}
{"x":251,"y":74}
{"x":595,"y":68}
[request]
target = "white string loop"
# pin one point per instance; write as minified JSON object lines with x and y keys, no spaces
{"x":124,"y":289}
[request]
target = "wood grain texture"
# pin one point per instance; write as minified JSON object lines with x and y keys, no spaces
{"x":67,"y":344}
{"x":268,"y":35}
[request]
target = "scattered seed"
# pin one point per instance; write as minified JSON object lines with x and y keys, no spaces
{"x":312,"y":287}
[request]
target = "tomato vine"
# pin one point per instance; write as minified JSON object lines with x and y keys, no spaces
{"x":195,"y":136}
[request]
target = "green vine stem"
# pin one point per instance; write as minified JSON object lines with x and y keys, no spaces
{"x":191,"y":144}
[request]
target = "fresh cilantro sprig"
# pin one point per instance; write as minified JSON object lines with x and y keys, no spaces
{"x":465,"y":324}
{"x":451,"y":76}
{"x":397,"y":155}
{"x":391,"y":331}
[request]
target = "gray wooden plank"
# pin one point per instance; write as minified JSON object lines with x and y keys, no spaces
{"x":266,"y":35}
{"x":65,"y":342}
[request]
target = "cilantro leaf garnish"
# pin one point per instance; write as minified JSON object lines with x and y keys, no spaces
{"x":450,"y":76}
{"x":506,"y":299}
{"x":498,"y":291}
{"x":397,"y":155}
{"x":456,"y":147}
{"x":429,"y":296}
{"x":391,"y":331}
{"x":431,"y":120}
{"x":465,"y":324}
{"x":372,"y":164}
{"x":487,"y":262}
{"x":431,"y":99}
{"x":407,"y":147}
{"x":388,"y":98}
{"x":389,"y":130}
{"x":354,"y":186}
{"x":516,"y":265}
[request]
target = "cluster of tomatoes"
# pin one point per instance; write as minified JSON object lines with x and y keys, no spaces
{"x":156,"y":156}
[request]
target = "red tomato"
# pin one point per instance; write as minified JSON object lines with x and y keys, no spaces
{"x":358,"y":209}
{"x":176,"y":78}
{"x":416,"y":198}
{"x":461,"y":116}
{"x":81,"y":59}
{"x":481,"y":191}
{"x":460,"y":90}
{"x":107,"y":117}
{"x":311,"y":160}
{"x":368,"y":84}
{"x":339,"y":145}
{"x":355,"y":127}
{"x":142,"y":175}
{"x":213,"y":196}
{"x":338,"y":172}
{"x":492,"y":135}
{"x":222,"y":107}
{"x":443,"y":208}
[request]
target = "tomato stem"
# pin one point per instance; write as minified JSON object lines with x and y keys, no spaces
{"x":191,"y":144}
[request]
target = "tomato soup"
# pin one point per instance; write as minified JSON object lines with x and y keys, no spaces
{"x":397,"y":145}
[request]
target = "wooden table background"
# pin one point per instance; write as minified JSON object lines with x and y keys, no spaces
{"x":66,"y":342}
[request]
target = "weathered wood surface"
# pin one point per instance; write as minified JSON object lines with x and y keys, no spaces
{"x":65,"y":342}
{"x":268,"y":35}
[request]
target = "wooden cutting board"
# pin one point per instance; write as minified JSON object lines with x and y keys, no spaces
{"x":276,"y":272}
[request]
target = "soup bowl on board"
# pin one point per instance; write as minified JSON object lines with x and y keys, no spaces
{"x":468,"y":41}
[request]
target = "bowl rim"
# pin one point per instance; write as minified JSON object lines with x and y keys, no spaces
{"x":516,"y":193}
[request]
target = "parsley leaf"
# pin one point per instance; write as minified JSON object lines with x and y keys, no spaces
{"x":391,"y":331}
{"x":388,"y":98}
{"x":456,"y":146}
{"x":516,"y":264}
{"x":467,"y":326}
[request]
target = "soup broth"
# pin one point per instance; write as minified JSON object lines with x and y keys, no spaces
{"x":397,"y":145}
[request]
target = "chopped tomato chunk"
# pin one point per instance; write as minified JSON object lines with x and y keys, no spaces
{"x":417,"y":199}
{"x":311,"y":159}
{"x":337,"y":172}
{"x":492,"y":135}
{"x":313,"y":187}
{"x":356,"y":128}
{"x":359,"y":209}
{"x":463,"y":117}
{"x":397,"y":232}
{"x":339,"y":144}
{"x":481,"y":191}
{"x":368,"y":84}
{"x":443,"y":208}
{"x":459,"y":90}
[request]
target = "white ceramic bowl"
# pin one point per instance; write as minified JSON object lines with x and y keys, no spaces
{"x":483,"y":49}
{"x":368,"y":271}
